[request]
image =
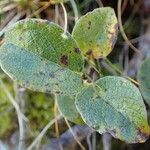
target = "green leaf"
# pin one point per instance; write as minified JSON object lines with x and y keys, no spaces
{"x":96,"y":32}
{"x":144,"y":80}
{"x":47,"y":40}
{"x":114,"y":105}
{"x":58,"y":1}
{"x":37,"y":73}
{"x":68,"y":109}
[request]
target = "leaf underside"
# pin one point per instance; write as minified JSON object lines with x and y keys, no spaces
{"x":68,"y":109}
{"x":96,"y":32}
{"x":47,"y":40}
{"x":36,"y":73}
{"x":144,"y":80}
{"x":114,"y":105}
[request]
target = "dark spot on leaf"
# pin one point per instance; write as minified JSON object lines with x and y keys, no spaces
{"x":52,"y":75}
{"x":89,"y":52}
{"x":98,"y":97}
{"x":83,"y":77}
{"x":48,"y":91}
{"x":47,"y":84}
{"x":89,"y":23}
{"x":77,"y":50}
{"x":89,"y":81}
{"x":64,"y":60}
{"x":41,"y":73}
{"x":57,"y":92}
{"x":20,"y":38}
{"x":105,"y":90}
{"x":107,"y":103}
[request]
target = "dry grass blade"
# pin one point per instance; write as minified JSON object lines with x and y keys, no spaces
{"x":122,"y":30}
{"x":40,"y":136}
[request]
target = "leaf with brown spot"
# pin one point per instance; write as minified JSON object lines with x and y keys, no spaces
{"x":45,"y":39}
{"x":97,"y":31}
{"x":38,"y":74}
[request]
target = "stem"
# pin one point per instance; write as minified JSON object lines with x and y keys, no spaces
{"x":106,"y":139}
{"x":20,"y":116}
{"x":40,"y":136}
{"x":122,"y":30}
{"x":66,"y":20}
{"x":56,"y":14}
{"x":74,"y":6}
{"x":20,"y":98}
{"x":82,"y":147}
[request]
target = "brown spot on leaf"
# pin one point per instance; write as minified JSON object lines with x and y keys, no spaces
{"x":77,"y":50}
{"x":57,"y":92}
{"x":89,"y":52}
{"x":89,"y":23}
{"x":64,"y":60}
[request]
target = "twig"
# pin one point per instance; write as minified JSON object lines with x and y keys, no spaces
{"x":122,"y":30}
{"x":94,"y":141}
{"x":82,"y":147}
{"x":20,"y":98}
{"x":89,"y":142}
{"x":106,"y":139}
{"x":40,"y":136}
{"x":100,"y":3}
{"x":20,"y":116}
{"x":66,"y":20}
{"x":74,"y":6}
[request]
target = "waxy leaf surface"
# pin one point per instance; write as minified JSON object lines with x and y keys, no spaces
{"x":144,"y":80}
{"x":96,"y":32}
{"x":114,"y":105}
{"x":68,"y":109}
{"x":47,"y":40}
{"x":37,"y":73}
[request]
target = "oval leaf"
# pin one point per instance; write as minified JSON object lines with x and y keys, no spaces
{"x":96,"y":32}
{"x":115,"y":105}
{"x":144,"y":80}
{"x":47,"y":40}
{"x":68,"y":109}
{"x":37,"y":73}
